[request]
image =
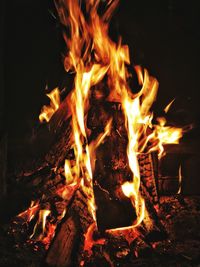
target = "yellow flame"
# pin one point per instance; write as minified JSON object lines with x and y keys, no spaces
{"x":92,"y":55}
{"x":166,"y":109}
{"x":43,"y":214}
{"x":48,"y":111}
{"x":68,"y":172}
{"x":131,"y":192}
{"x":166,"y":135}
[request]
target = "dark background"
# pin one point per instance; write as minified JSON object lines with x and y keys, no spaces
{"x":163,"y":36}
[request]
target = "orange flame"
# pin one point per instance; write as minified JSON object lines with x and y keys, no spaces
{"x":91,"y":56}
{"x":30,"y":213}
{"x":180,"y":177}
{"x":89,"y":240}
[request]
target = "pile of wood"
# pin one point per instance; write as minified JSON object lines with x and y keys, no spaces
{"x":72,"y":244}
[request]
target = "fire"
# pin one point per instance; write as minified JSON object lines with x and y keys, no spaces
{"x":180,"y":177}
{"x":93,"y":56}
{"x":89,"y":241}
{"x":48,"y":111}
{"x":30,"y":213}
{"x":166,"y":135}
{"x":166,"y":109}
{"x":40,"y":227}
{"x":68,"y":172}
{"x":130,"y":191}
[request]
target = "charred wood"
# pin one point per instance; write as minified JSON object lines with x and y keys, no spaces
{"x":148,"y":172}
{"x":64,"y":244}
{"x":68,"y":241}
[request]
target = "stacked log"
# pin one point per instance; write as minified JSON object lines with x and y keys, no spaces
{"x":69,"y":236}
{"x":111,"y":171}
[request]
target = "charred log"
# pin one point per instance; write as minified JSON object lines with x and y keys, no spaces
{"x":69,"y":237}
{"x":65,"y":242}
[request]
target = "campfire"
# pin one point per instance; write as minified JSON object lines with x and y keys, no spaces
{"x":96,"y":197}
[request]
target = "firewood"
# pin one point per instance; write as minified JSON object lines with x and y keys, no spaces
{"x":60,"y":253}
{"x":66,"y":244}
{"x":61,"y":146}
{"x":57,"y":149}
{"x":148,"y":172}
{"x":151,"y":228}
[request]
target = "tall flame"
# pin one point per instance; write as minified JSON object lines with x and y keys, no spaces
{"x":93,"y":56}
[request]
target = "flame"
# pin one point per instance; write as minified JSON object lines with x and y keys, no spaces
{"x":166,"y":109}
{"x":48,"y":111}
{"x":180,"y":177}
{"x":41,"y":224}
{"x":89,"y":241}
{"x":68,"y":172}
{"x":93,"y":56}
{"x":130,"y":190}
{"x":50,"y":234}
{"x":166,"y":135}
{"x":30,"y":213}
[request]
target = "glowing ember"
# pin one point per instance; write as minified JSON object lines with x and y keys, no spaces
{"x":89,"y":240}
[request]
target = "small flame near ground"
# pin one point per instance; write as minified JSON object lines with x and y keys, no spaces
{"x":48,"y":111}
{"x":180,"y":179}
{"x":30,"y":213}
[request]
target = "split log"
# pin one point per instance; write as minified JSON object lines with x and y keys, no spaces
{"x":45,"y":185}
{"x":57,"y":145}
{"x":151,"y":228}
{"x":64,"y":245}
{"x":42,"y":177}
{"x":68,"y":241}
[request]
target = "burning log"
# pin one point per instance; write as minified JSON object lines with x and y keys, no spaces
{"x":66,"y":244}
{"x":99,"y":162}
{"x":61,"y":147}
{"x":60,"y":253}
